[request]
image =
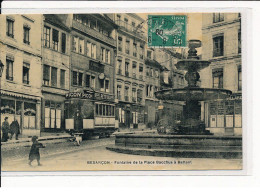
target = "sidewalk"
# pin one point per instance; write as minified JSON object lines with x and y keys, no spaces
{"x":44,"y":136}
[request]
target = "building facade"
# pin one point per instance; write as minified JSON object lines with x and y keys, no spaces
{"x":92,"y":58}
{"x":56,"y":70}
{"x":20,"y":52}
{"x":129,"y":72}
{"x":222,"y":34}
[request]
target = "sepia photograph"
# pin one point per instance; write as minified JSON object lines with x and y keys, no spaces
{"x":121,"y":91}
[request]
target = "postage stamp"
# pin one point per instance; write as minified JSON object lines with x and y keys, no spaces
{"x":167,"y":30}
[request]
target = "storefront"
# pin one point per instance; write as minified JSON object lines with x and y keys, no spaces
{"x":130,"y":116}
{"x":24,"y":109}
{"x":224,"y":117}
{"x":53,"y":113}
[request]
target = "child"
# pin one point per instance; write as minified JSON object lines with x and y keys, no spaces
{"x":34,"y":153}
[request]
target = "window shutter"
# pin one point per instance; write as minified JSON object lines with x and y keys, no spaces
{"x":63,"y":40}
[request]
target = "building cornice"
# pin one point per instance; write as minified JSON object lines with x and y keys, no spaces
{"x":215,"y":25}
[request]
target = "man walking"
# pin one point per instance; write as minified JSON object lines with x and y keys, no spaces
{"x":5,"y":129}
{"x":14,"y":129}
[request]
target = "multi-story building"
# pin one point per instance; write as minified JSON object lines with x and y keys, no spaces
{"x":170,"y":77}
{"x":20,"y":52}
{"x":56,"y":69}
{"x":221,"y":33}
{"x":93,"y":48}
{"x":153,"y":71}
{"x":130,"y":68}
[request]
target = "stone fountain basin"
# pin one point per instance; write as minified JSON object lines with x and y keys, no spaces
{"x":184,"y":146}
{"x":193,"y":93}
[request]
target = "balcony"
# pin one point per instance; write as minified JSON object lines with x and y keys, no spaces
{"x":129,"y":28}
{"x":93,"y":33}
{"x":127,"y":98}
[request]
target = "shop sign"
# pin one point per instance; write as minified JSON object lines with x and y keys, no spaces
{"x":235,"y":97}
{"x":97,"y":67}
{"x":90,"y":95}
{"x":160,"y":107}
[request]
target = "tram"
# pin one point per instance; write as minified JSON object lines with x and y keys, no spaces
{"x":90,"y":113}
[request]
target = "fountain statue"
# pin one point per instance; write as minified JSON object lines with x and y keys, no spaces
{"x":192,"y":94}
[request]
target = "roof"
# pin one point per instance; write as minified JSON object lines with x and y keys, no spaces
{"x":56,"y":21}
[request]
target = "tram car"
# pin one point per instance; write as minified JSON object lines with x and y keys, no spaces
{"x":89,"y":117}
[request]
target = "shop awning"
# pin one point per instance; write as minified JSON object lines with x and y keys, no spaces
{"x":19,"y":95}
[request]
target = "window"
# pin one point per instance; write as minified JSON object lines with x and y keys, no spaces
{"x":103,"y":54}
{"x":149,"y":54}
{"x":218,"y":46}
{"x":75,"y":78}
{"x":134,"y":94}
{"x":141,"y":69}
{"x":239,"y":41}
{"x":126,"y":22}
{"x":55,"y":39}
{"x":9,"y":69}
{"x":93,"y":24}
{"x":53,"y":76}
{"x":127,"y":69}
{"x":217,"y":78}
{"x":239,"y":79}
{"x":46,"y":36}
{"x":134,"y":49}
{"x":141,"y":51}
{"x":46,"y":75}
{"x":87,"y":80}
{"x":62,"y":78}
{"x":106,"y":85}
{"x":26,"y":68}
{"x":119,"y":67}
{"x":102,"y":85}
{"x":134,"y":69}
{"x":151,"y":72}
{"x":120,"y":44}
{"x":218,"y":17}
{"x":75,"y":44}
{"x":52,"y":115}
{"x":126,"y":93}
{"x":26,"y":35}
{"x":118,"y":17}
{"x":88,"y":49}
{"x":118,"y":92}
{"x":108,"y":56}
{"x":63,"y":43}
{"x":147,"y":71}
{"x":81,"y":46}
{"x":93,"y":51}
{"x":10,"y":28}
{"x":127,"y":46}
{"x":133,"y":24}
{"x":80,"y":79}
{"x":93,"y":81}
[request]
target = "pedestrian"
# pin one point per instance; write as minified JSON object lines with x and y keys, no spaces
{"x":35,"y":153}
{"x":14,"y":129}
{"x":5,"y":129}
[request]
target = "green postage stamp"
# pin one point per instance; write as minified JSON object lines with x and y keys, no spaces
{"x":167,"y":31}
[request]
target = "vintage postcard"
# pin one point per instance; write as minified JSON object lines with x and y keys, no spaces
{"x":121,"y":91}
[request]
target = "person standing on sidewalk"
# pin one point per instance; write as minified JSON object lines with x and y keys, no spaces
{"x":14,"y":129}
{"x":35,"y":153}
{"x":5,"y":129}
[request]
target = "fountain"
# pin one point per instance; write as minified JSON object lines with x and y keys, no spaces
{"x":192,"y":94}
{"x":192,"y":140}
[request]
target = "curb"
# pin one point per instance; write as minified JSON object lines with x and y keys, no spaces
{"x":39,"y":139}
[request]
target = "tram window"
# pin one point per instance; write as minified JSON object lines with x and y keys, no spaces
{"x":100,"y":109}
{"x":109,"y":110}
{"x":96,"y":109}
{"x":113,"y":110}
{"x":104,"y":110}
